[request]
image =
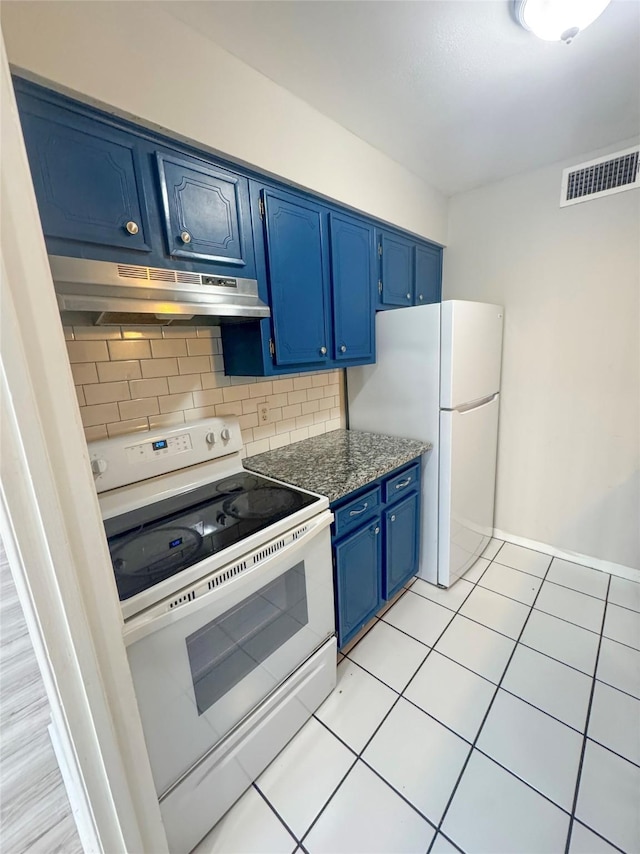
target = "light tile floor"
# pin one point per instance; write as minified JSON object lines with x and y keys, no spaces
{"x":502,"y":715}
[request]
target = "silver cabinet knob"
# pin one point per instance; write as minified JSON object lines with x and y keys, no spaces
{"x":98,"y":466}
{"x":343,"y":348}
{"x":393,"y":518}
{"x":185,"y":237}
{"x":323,"y":351}
{"x":376,"y":530}
{"x":420,"y":297}
{"x":408,"y":296}
{"x":132,"y":227}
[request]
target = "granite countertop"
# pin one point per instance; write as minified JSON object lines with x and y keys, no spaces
{"x":336,"y":463}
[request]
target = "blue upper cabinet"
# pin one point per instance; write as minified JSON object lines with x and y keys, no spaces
{"x":204,"y":211}
{"x":428,"y":284}
{"x":353,"y":268}
{"x":87,"y":179}
{"x":397,"y":270}
{"x":294,"y":232}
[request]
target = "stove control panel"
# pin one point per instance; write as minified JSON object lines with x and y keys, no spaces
{"x":128,"y":459}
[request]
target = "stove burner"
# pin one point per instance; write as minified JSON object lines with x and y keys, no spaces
{"x":261,"y":503}
{"x":148,"y":553}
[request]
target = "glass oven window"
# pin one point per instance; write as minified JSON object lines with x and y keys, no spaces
{"x":228,"y":648}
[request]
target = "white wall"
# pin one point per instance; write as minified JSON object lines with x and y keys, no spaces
{"x":569,"y":279}
{"x":139,"y":60}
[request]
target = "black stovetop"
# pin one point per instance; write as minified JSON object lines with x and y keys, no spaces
{"x":157,"y":541}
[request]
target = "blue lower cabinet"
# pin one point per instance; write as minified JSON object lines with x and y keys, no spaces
{"x":402,"y":536}
{"x":358,"y":560}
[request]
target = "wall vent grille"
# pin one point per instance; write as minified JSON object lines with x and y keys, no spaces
{"x":601,"y":177}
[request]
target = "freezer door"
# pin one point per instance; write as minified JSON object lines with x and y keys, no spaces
{"x":471,"y":335}
{"x":468,"y":443}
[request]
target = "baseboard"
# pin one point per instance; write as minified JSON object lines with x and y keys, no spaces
{"x":593,"y":562}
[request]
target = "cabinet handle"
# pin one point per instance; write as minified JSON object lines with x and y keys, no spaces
{"x":403,"y":483}
{"x":376,"y":530}
{"x":132,"y":227}
{"x":323,"y":351}
{"x":420,"y":297}
{"x":343,"y":348}
{"x":185,"y":237}
{"x":393,"y":518}
{"x":408,"y":296}
{"x":358,"y":512}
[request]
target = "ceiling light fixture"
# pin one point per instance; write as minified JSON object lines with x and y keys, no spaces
{"x":558,"y":20}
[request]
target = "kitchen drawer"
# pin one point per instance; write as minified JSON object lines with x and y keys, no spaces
{"x":399,"y":484}
{"x":357,"y":510}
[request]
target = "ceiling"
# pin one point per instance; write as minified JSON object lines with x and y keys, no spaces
{"x":454,"y":90}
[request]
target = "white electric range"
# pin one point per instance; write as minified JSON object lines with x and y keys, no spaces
{"x":225,"y":580}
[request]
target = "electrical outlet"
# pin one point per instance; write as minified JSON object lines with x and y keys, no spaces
{"x":263,"y":413}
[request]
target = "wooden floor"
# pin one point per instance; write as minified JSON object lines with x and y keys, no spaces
{"x":35,"y":815}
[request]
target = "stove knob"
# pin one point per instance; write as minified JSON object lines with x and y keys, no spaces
{"x":211,"y":438}
{"x":98,"y":466}
{"x":226,"y":434}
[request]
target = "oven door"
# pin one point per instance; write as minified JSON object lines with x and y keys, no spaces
{"x":200,"y":668}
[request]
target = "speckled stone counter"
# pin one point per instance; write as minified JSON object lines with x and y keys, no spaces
{"x":336,"y":463}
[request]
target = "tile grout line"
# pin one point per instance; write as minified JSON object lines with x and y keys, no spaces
{"x":586,"y":727}
{"x":275,"y":811}
{"x":486,"y":715}
{"x":599,"y":835}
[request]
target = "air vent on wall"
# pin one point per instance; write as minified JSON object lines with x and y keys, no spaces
{"x":601,"y":177}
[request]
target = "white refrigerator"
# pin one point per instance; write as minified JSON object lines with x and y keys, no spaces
{"x":437,"y":378}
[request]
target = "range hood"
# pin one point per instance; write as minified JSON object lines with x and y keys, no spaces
{"x":103,"y":293}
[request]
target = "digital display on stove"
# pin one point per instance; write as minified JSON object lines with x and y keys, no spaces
{"x":159,"y":540}
{"x":160,"y":445}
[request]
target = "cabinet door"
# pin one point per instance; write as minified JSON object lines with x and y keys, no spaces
{"x":86,"y":178}
{"x":352,"y":279}
{"x":402,"y":528}
{"x":357,"y":568}
{"x":397,"y":270}
{"x":204,"y":211}
{"x":428,"y":274}
{"x":296,"y":262}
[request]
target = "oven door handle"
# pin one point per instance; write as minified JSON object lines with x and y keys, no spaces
{"x":160,"y":616}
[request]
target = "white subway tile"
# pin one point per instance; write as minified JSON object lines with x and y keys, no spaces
{"x":141,"y":333}
{"x":304,"y":421}
{"x":101,"y":414}
{"x":265,"y":431}
{"x":202,"y":347}
{"x":243,"y":380}
{"x":178,"y":332}
{"x":216,"y":363}
{"x":310,"y":406}
{"x":263,"y":388}
{"x":80,"y":395}
{"x":278,"y":400}
{"x":316,"y":393}
{"x":96,"y":333}
{"x":115,"y":371}
{"x":292,"y":411}
{"x":223,"y":409}
{"x":252,"y":404}
{"x":258,"y":447}
{"x":319,"y":379}
{"x":194,"y":364}
{"x":199,"y":412}
{"x":302,"y":382}
{"x":285,"y":426}
{"x":138,"y":408}
{"x":316,"y":430}
{"x":168,"y":347}
{"x":299,"y":435}
{"x":322,"y":416}
{"x":208,"y":332}
{"x":334,"y":424}
{"x":174,"y":402}
{"x":159,"y":368}
{"x":106,"y":392}
{"x":214,"y":380}
{"x":120,"y":350}
{"x":247,"y":436}
{"x":68,"y":333}
{"x":132,"y":425}
{"x":336,"y":412}
{"x":278,"y":441}
{"x":247,"y":421}
{"x":299,"y":396}
{"x":208,"y":398}
{"x":168,"y":419}
{"x":187,"y":382}
{"x":84,"y":372}
{"x":93,"y":434}
{"x":275,"y":414}
{"x":149,"y":388}
{"x":232,"y":393}
{"x":332,"y":390}
{"x":87,"y":351}
{"x":281,"y":386}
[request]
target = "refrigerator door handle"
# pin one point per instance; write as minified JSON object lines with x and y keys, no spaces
{"x":475,"y":404}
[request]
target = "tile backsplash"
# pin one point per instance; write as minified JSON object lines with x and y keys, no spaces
{"x":130,"y":379}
